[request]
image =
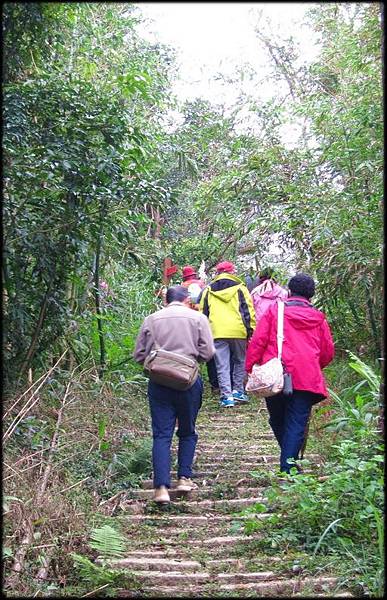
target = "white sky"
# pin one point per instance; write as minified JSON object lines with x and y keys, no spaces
{"x":217,"y":37}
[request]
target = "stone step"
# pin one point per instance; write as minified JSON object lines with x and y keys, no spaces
{"x":201,"y":492}
{"x":191,"y":520}
{"x":202,"y":478}
{"x":285,"y":586}
{"x":154,"y":564}
{"x":222,"y":468}
{"x":206,"y":479}
{"x":275,"y":587}
{"x":179,"y":554}
{"x":207,"y":464}
{"x":229,"y":431}
{"x":238,"y":562}
{"x":220,"y":473}
{"x":204,"y":446}
{"x":215,"y":457}
{"x":135,"y":506}
{"x":231,"y":456}
{"x":219,"y":540}
{"x":171,"y":577}
{"x":244,"y":577}
{"x":147,"y":494}
{"x":195,"y":533}
{"x":151,"y":553}
{"x":245,"y":456}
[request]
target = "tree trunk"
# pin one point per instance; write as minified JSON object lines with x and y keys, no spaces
{"x":38,"y":328}
{"x":102,"y":349}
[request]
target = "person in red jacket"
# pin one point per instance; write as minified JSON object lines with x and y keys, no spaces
{"x":307,"y":348}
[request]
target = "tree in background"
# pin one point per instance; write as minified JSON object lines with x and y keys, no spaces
{"x":82,"y":100}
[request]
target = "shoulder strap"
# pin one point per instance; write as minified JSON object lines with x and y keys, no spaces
{"x":280,"y":327}
{"x":151,"y":329}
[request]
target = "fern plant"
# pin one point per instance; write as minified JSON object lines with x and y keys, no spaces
{"x":108,"y":542}
{"x":94,"y":574}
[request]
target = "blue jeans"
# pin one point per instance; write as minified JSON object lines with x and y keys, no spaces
{"x":167,"y":406}
{"x":288,"y":419}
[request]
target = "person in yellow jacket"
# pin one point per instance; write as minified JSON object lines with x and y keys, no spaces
{"x":227,"y":304}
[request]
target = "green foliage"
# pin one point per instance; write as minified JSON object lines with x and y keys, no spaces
{"x":108,"y":542}
{"x":358,"y":407}
{"x":95,"y":576}
{"x":82,"y":165}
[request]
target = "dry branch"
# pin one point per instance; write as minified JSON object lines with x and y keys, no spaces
{"x":54,"y":443}
{"x":43,"y":571}
{"x":22,"y":396}
{"x":18,"y":563}
{"x":27,"y":407}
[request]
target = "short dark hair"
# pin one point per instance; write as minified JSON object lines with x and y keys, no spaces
{"x":266,"y":274}
{"x":176,"y":293}
{"x":302,"y":285}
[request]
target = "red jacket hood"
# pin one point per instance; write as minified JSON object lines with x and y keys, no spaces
{"x":303,"y":317}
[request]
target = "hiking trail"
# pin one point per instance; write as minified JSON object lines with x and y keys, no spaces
{"x":196,"y":547}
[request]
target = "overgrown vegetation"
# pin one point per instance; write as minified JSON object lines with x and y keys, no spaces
{"x":100,"y":186}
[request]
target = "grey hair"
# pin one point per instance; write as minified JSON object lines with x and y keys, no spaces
{"x":176,"y":293}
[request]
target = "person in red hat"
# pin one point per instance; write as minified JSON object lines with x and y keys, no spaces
{"x":195,"y":287}
{"x":227,"y":303}
{"x":193,"y":283}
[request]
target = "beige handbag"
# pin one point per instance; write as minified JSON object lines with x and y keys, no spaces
{"x":268,"y":379}
{"x":173,"y":370}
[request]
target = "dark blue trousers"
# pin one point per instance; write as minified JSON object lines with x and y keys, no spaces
{"x":167,"y":406}
{"x":288,"y":417}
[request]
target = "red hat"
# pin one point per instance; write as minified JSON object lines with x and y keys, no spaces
{"x":188,"y":272}
{"x":225,"y":267}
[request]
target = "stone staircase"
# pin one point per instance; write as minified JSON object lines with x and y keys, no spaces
{"x":196,"y":547}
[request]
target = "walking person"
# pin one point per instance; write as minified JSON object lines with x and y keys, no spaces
{"x":193,"y":283}
{"x":307,"y":348}
{"x":195,"y":287}
{"x":266,"y":292}
{"x":227,"y":303}
{"x":176,"y":328}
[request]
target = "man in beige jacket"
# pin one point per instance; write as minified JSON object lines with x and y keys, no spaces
{"x":178,"y":329}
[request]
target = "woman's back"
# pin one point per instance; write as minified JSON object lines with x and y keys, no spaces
{"x":265,"y":294}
